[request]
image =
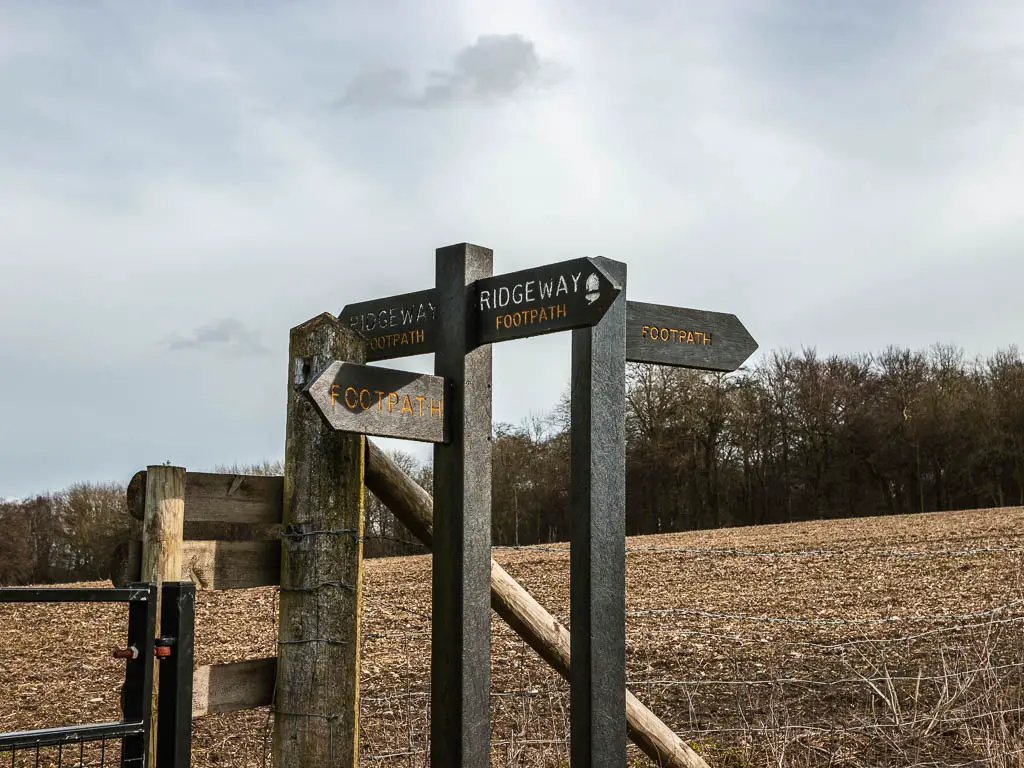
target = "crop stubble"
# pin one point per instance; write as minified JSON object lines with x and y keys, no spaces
{"x":712,"y":644}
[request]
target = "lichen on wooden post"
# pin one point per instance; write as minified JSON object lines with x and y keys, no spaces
{"x":317,"y":690}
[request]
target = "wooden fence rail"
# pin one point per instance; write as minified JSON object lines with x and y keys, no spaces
{"x":254,"y":500}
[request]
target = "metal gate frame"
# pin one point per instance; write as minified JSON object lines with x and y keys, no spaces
{"x":174,"y":649}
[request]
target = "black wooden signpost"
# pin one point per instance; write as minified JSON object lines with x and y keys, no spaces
{"x":380,"y":401}
{"x":396,"y":326}
{"x":690,"y":338}
{"x":597,"y":560}
{"x":460,"y":661}
{"x":468,"y":310}
{"x":404,"y":325}
{"x":555,"y":297}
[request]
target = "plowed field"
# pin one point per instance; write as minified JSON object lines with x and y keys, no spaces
{"x":877,"y":641}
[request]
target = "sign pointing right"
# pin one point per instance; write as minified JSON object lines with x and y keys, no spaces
{"x":688,"y":338}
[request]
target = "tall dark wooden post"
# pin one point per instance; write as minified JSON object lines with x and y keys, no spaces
{"x":598,"y":526}
{"x":461,"y":627}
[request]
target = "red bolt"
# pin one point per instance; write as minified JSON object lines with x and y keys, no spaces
{"x":126,"y":653}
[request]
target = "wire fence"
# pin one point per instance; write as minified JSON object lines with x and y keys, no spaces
{"x":847,"y":655}
{"x":861,"y":656}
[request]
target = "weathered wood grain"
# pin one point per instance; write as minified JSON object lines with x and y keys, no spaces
{"x":232,"y":564}
{"x":597,"y":503}
{"x":460,"y":646}
{"x":542,"y":631}
{"x":221,"y":498}
{"x":232,"y":687}
{"x":385,"y":402}
{"x":688,"y":338}
{"x":162,"y":535}
{"x":317,"y":693}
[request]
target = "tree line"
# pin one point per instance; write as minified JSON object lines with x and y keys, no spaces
{"x":795,"y":437}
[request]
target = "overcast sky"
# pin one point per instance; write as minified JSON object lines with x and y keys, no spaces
{"x":182,"y":182}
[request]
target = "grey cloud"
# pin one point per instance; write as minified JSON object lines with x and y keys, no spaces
{"x":379,"y":88}
{"x":495,"y":67}
{"x":228,"y":335}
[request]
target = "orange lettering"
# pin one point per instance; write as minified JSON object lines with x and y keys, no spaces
{"x":355,"y":394}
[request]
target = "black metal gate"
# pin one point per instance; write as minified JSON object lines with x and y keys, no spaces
{"x":124,"y":743}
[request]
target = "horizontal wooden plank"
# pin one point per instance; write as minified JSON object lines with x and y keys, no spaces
{"x":232,"y":687}
{"x":231,"y":564}
{"x":206,"y":530}
{"x":213,"y":497}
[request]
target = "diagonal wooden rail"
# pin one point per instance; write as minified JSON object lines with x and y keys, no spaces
{"x":415,"y":508}
{"x":257,"y":502}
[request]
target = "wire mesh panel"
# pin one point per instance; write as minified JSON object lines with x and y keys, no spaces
{"x":72,"y":752}
{"x":121,"y":743}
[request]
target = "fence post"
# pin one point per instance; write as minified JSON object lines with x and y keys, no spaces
{"x":317,"y":689}
{"x":163,"y":532}
{"x":174,"y":732}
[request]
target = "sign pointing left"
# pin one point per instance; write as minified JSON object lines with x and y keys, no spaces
{"x":383,"y":402}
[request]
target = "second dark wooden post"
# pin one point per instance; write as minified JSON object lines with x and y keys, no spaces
{"x":460,"y":664}
{"x":597,"y":673}
{"x":317,"y":694}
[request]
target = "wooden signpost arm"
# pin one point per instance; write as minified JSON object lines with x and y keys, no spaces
{"x":414,"y":507}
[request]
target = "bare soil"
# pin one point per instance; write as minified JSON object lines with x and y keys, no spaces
{"x":874,"y":641}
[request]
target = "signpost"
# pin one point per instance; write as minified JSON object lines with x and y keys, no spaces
{"x":381,"y":401}
{"x":597,"y":561}
{"x":460,"y":660}
{"x":532,"y":302}
{"x":395,"y":326}
{"x":689,"y":338}
{"x":468,"y":310}
{"x":404,"y":325}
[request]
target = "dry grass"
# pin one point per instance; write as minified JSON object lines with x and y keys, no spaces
{"x":854,"y":656}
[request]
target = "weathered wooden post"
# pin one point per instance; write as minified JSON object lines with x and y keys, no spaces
{"x":598,"y":527}
{"x":317,"y":691}
{"x":460,"y":665}
{"x":163,"y":532}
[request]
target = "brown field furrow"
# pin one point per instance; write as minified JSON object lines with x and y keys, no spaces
{"x":876,"y":641}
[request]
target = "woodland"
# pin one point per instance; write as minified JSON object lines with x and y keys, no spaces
{"x":796,"y":436}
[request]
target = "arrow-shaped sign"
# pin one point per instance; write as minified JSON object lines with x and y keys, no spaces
{"x":555,"y":297}
{"x":688,"y":338}
{"x":381,"y":401}
{"x":531,"y":302}
{"x":403,"y":325}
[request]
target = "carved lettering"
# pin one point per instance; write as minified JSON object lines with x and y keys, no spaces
{"x":530,"y":316}
{"x":678,"y":335}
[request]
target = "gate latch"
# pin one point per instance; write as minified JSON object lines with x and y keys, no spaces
{"x":162,"y":647}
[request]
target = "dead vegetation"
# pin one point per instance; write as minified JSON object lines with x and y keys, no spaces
{"x":891,"y":641}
